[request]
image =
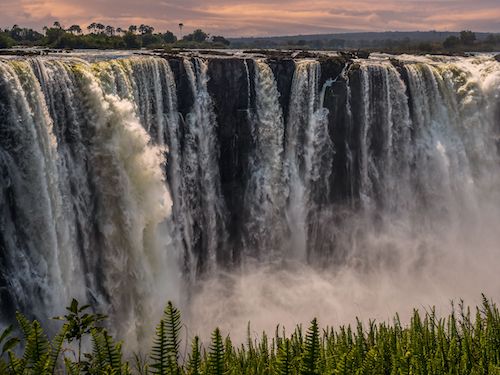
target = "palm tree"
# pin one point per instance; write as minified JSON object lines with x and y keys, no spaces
{"x":75,"y":29}
{"x":146,"y":29}
{"x":92,"y":27}
{"x":100,"y":27}
{"x":132,"y":29}
{"x":110,"y":30}
{"x":57,"y":25}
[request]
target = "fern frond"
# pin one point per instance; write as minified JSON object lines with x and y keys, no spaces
{"x":24,"y":324}
{"x":311,"y":353}
{"x":284,"y":358}
{"x":107,"y":355}
{"x":71,"y":367}
{"x":194,"y":363}
{"x":159,"y":353}
{"x":165,"y":353}
{"x":36,"y":354}
{"x":56,"y":347}
{"x":216,"y":354}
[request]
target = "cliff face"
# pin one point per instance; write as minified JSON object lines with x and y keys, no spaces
{"x":231,"y":86}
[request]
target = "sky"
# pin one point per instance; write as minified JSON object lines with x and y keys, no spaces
{"x":233,"y":18}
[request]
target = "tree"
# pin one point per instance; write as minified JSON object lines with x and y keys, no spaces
{"x":92,"y":27}
{"x":54,"y":34}
{"x":196,"y":36}
{"x":75,"y":29}
{"x":199,"y":35}
{"x":16,"y":33}
{"x":132,"y":41}
{"x":100,"y":27}
{"x":146,"y":29}
{"x":110,"y":30}
{"x":6,"y":41}
{"x":149,"y":39}
{"x":119,"y":30}
{"x":467,"y":37}
{"x":221,"y":40}
{"x":169,"y":37}
{"x":132,"y":29}
{"x":451,"y":42}
{"x":57,"y":25}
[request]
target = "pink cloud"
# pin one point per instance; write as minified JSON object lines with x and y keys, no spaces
{"x":260,"y":17}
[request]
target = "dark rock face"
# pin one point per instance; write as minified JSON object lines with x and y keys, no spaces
{"x":340,"y":129}
{"x":283,"y":70}
{"x":228,"y":87}
{"x":184,"y":94}
{"x":231,"y":86}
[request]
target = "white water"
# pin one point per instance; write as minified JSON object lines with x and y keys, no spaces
{"x":265,"y":194}
{"x":308,"y":145}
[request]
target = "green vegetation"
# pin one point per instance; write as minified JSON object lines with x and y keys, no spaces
{"x":390,"y":42}
{"x":6,"y":41}
{"x":100,"y":36}
{"x":463,"y":42}
{"x":463,"y":343}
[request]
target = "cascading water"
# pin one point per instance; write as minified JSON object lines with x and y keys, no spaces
{"x":309,"y":153}
{"x":364,"y":183}
{"x":84,"y":194}
{"x":265,"y":195}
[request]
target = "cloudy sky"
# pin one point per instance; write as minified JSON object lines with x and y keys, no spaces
{"x":260,"y":17}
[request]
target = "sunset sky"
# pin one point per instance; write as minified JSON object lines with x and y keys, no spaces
{"x":260,"y":17}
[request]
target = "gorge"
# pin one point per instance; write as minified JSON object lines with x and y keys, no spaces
{"x":311,"y":186}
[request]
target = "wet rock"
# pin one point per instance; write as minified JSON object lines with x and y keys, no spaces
{"x":18,"y":52}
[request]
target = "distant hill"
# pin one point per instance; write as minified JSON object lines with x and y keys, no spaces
{"x":348,"y":40}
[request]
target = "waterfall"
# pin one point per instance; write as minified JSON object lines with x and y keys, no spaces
{"x":265,"y":195}
{"x":377,"y":176}
{"x":86,"y":191}
{"x":38,"y":244}
{"x":309,"y":151}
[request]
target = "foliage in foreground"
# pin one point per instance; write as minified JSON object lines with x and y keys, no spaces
{"x":462,"y":343}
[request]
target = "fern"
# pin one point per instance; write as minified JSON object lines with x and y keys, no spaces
{"x":284,"y":358}
{"x":16,"y":366}
{"x":56,"y":347}
{"x":172,"y":318}
{"x":10,"y":343}
{"x":194,"y":363}
{"x":311,"y":351}
{"x":429,"y":345}
{"x":216,"y":354}
{"x":159,"y":353}
{"x":24,"y":324}
{"x":98,"y":357}
{"x":107,"y":354}
{"x":165,"y":353}
{"x":72,"y":368}
{"x":36,"y":354}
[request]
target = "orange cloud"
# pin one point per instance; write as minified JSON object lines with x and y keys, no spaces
{"x":259,"y":17}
